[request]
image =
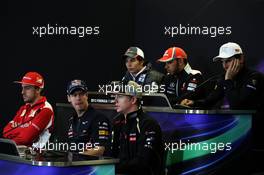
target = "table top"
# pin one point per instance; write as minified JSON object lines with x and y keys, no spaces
{"x":61,"y":159}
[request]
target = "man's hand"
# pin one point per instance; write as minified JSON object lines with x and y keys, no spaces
{"x":232,"y":70}
{"x":95,"y":151}
{"x":187,"y":102}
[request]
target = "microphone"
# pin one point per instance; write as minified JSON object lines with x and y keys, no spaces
{"x":188,"y":94}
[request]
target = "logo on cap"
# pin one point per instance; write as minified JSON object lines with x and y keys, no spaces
{"x":32,"y":78}
{"x":173,"y":53}
{"x":76,"y":84}
{"x":134,"y":52}
{"x":227,"y":51}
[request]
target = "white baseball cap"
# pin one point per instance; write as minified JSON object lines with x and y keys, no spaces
{"x":228,"y":50}
{"x":134,"y":52}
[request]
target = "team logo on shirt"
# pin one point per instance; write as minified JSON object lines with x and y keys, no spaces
{"x":32,"y":113}
{"x":70,"y":131}
{"x":103,"y":130}
{"x":191,"y":86}
{"x":23,"y":113}
{"x":142,"y":78}
{"x":132,"y":137}
{"x":194,"y":80}
{"x":215,"y":87}
{"x":85,"y":122}
{"x":254,"y":82}
{"x":172,"y":84}
{"x":150,"y":138}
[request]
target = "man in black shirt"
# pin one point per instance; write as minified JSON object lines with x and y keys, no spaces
{"x":181,"y":80}
{"x":139,"y":70}
{"x":239,"y":88}
{"x":137,"y":138}
{"x":87,"y":126}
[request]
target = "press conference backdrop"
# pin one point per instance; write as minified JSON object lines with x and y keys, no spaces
{"x":113,"y":26}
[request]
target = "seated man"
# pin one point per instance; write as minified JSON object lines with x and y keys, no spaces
{"x":33,"y":121}
{"x":137,"y":138}
{"x":238,"y":88}
{"x":138,"y":70}
{"x":181,"y":80}
{"x":87,"y":126}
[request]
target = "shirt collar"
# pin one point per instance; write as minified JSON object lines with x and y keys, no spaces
{"x":42,"y":99}
{"x":144,"y":68}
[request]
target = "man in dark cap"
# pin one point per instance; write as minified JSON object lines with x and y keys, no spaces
{"x":87,"y":126}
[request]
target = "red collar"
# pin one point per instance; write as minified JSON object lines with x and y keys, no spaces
{"x":40,"y":101}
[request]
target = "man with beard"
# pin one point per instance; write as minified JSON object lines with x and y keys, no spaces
{"x":181,"y":80}
{"x":33,"y":121}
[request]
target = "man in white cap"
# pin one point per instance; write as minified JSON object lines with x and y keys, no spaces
{"x":33,"y":122}
{"x":238,"y":88}
{"x":139,"y":70}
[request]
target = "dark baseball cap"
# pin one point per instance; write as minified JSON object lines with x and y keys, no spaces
{"x":76,"y":85}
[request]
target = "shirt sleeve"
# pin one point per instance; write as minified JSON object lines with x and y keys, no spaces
{"x":247,"y":96}
{"x":215,"y":95}
{"x":8,"y":129}
{"x":26,"y":135}
{"x":100,"y":131}
{"x":244,"y":96}
{"x":192,"y":89}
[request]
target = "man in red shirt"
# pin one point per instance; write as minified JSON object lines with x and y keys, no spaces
{"x":33,"y":121}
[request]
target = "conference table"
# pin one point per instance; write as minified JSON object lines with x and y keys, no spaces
{"x":55,"y":163}
{"x":195,"y":140}
{"x":210,"y":138}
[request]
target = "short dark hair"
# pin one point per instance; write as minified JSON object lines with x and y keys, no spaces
{"x":145,"y":61}
{"x":41,"y":89}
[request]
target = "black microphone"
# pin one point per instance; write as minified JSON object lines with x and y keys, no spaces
{"x":188,"y":94}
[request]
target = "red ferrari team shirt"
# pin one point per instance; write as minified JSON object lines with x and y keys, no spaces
{"x":32,"y":124}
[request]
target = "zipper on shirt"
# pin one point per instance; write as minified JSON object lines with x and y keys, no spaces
{"x":177,"y":88}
